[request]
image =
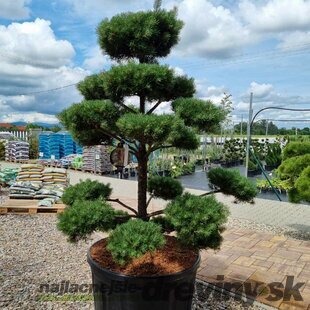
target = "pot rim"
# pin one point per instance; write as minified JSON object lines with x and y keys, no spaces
{"x":91,"y":261}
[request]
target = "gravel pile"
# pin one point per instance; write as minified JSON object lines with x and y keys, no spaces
{"x":33,"y":253}
{"x":289,"y":232}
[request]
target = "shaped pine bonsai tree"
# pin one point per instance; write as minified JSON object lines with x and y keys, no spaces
{"x":137,"y":41}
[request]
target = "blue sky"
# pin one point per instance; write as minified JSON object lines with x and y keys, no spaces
{"x":228,"y":46}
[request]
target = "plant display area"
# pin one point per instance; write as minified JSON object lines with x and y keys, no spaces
{"x":139,"y":238}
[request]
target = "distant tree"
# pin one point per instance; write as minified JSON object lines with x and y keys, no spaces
{"x":33,"y":126}
{"x":2,"y":150}
{"x":55,"y":128}
{"x":33,"y":148}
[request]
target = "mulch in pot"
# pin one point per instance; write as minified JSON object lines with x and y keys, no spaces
{"x":172,"y":258}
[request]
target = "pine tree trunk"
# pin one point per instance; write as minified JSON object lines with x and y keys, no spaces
{"x":142,"y":185}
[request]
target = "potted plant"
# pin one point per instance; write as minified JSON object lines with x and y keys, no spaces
{"x":128,"y":258}
{"x":262,"y":185}
{"x":273,"y":157}
{"x":253,"y":169}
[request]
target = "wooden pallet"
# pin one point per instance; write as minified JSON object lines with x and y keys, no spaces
{"x":23,"y":206}
{"x":93,"y":172}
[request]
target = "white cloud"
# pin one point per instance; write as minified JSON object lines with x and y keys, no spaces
{"x":93,"y":10}
{"x":265,"y":95}
{"x":33,"y":59}
{"x":178,"y":71}
{"x":260,"y":90}
{"x":213,"y":93}
{"x":219,"y":29}
{"x":295,"y":41}
{"x":14,"y":9}
{"x":33,"y":43}
{"x":96,"y":61}
{"x":210,"y":30}
{"x":29,"y":118}
{"x":276,"y":15}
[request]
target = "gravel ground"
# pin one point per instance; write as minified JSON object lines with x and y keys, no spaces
{"x":33,"y":252}
{"x":289,"y":232}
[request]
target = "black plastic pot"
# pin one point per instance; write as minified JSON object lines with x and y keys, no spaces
{"x":160,"y":173}
{"x":115,"y":291}
{"x":270,"y":167}
{"x":253,"y":173}
{"x":167,"y":173}
{"x":132,"y":173}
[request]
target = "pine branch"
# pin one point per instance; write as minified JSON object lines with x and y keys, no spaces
{"x":126,"y":107}
{"x":158,"y":147}
{"x":154,"y":107}
{"x":123,"y":204}
{"x":155,"y":213}
{"x":148,"y":202}
{"x":210,"y":193}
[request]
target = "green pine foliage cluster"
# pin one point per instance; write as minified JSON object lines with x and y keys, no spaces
{"x":143,"y":35}
{"x":295,"y":170}
{"x":293,"y":149}
{"x":166,"y":188}
{"x":198,"y":221}
{"x":134,"y":239}
{"x":84,"y":217}
{"x":86,"y":190}
{"x":231,"y":182}
{"x":302,"y":185}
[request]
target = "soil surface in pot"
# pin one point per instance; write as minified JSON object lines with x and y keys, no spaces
{"x":172,"y":258}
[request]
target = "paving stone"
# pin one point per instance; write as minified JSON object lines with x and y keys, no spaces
{"x":287,"y":254}
{"x":244,"y":261}
{"x":262,"y":263}
{"x":305,"y":258}
{"x":285,"y":269}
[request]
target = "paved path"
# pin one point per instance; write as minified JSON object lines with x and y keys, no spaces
{"x":269,"y":212}
{"x":249,"y":261}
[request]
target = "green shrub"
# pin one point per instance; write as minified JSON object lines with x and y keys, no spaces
{"x":231,"y":182}
{"x":84,"y":217}
{"x":252,"y":166}
{"x":262,"y":184}
{"x":86,"y":190}
{"x":293,"y":149}
{"x":302,"y":185}
{"x":164,"y":187}
{"x":134,"y":239}
{"x":292,"y":167}
{"x":198,"y":221}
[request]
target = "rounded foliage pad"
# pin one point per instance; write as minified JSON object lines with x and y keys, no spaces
{"x":198,"y":221}
{"x":164,"y":187}
{"x":134,"y":239}
{"x":86,"y":190}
